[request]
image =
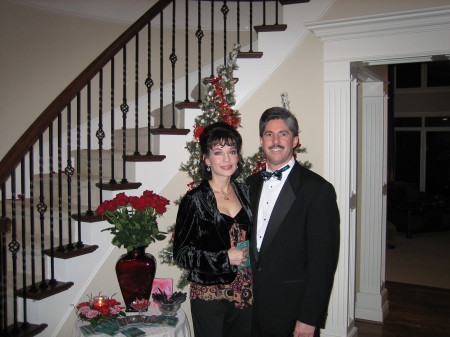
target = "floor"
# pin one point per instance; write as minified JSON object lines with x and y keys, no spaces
{"x":414,"y":311}
{"x":422,"y":260}
{"x":418,"y":284}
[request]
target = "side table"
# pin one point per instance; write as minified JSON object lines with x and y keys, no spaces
{"x":180,"y":330}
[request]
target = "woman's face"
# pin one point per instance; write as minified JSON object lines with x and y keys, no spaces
{"x":223,"y":160}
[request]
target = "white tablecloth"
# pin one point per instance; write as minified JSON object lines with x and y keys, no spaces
{"x":180,"y":330}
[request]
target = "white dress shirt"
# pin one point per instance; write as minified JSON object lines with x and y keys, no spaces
{"x":269,"y":195}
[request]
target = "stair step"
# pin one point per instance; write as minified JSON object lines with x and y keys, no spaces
{"x":292,"y":2}
{"x":188,"y":105}
{"x":88,"y":218}
{"x":119,"y":186}
{"x":169,"y":131}
{"x":25,"y":330}
{"x":145,"y":158}
{"x":71,"y":251}
{"x":52,"y":288}
{"x":249,"y":55}
{"x":270,"y":28}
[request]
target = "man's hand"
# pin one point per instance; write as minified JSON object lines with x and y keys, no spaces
{"x":303,"y":330}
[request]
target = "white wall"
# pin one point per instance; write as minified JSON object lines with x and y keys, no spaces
{"x":41,"y":53}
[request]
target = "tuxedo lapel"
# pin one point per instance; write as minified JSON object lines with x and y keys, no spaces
{"x":283,"y":204}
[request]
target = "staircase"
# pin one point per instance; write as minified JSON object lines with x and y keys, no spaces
{"x":126,"y":115}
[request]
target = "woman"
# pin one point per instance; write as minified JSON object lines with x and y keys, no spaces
{"x":212,"y":219}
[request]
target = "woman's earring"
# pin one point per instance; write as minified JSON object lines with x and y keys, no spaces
{"x":208,"y":168}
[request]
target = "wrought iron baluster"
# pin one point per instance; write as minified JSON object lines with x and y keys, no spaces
{"x":89,"y":211}
{"x":23,"y":246}
{"x":264,"y":12}
{"x":161,"y":72}
{"x":212,"y":39}
{"x":225,"y":11}
{"x":42,"y":208}
{"x":79,"y":242}
{"x":276,"y":13}
{"x":60,"y":223}
{"x":199,"y":34}
{"x":33,"y":287}
{"x":112,"y":180}
{"x":14,"y":247}
{"x":100,"y":134}
{"x":173,"y":59}
{"x":136,"y":97}
{"x":238,"y":20}
{"x":251,"y":26}
{"x":69,"y":171}
{"x":124,"y":108}
{"x":52,"y":223}
{"x":3,"y":269}
{"x":186,"y":49}
{"x":149,"y":84}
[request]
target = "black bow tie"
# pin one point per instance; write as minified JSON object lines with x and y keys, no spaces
{"x":278,"y":173}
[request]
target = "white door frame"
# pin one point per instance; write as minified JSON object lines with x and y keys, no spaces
{"x":375,"y":39}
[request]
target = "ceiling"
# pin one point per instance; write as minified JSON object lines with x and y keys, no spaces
{"x":112,"y":10}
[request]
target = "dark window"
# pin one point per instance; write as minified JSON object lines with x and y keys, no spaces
{"x":408,"y":122}
{"x":407,"y":156}
{"x":437,"y":121}
{"x":438,"y":163}
{"x":438,"y":74}
{"x":408,"y":75}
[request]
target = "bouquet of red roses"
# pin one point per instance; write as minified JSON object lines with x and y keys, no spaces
{"x":134,"y":218}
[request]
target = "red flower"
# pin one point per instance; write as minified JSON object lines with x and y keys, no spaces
{"x":83,"y":304}
{"x":121,"y":199}
{"x":137,"y":203}
{"x":198,"y":131}
{"x":104,"y":310}
{"x":160,"y":209}
{"x":111,"y":302}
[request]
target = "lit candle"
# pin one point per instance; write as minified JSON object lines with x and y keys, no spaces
{"x":99,"y":301}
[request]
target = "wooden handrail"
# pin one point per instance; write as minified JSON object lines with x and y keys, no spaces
{"x":31,"y":135}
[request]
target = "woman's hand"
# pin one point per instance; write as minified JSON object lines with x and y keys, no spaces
{"x":237,"y":257}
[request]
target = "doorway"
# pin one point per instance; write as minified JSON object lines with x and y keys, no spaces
{"x":418,"y":208}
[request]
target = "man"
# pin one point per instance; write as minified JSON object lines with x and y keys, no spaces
{"x":295,"y":237}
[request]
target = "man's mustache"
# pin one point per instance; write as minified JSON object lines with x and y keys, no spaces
{"x":276,"y":147}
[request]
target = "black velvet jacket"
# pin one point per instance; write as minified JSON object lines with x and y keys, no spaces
{"x":202,"y":238}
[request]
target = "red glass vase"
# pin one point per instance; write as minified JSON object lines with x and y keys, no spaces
{"x":135,"y":272}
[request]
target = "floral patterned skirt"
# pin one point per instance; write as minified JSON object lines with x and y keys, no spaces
{"x":239,"y":291}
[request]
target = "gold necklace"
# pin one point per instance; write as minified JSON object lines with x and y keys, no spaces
{"x":225,"y":196}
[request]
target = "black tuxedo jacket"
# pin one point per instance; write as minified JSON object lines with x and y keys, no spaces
{"x":294,"y":270}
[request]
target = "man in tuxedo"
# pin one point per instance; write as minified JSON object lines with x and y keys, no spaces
{"x":295,"y":237}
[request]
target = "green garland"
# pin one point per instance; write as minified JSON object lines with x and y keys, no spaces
{"x":217,"y":106}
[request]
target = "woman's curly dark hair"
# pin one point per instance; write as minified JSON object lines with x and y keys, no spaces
{"x":219,"y":133}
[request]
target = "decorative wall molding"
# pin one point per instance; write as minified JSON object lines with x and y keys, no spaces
{"x":407,"y":22}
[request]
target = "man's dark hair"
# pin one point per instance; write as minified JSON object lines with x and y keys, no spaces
{"x":278,"y":113}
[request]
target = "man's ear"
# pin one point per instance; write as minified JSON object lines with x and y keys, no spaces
{"x":295,"y":141}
